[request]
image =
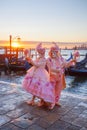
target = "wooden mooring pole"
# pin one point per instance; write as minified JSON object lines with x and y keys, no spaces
{"x":10,"y":46}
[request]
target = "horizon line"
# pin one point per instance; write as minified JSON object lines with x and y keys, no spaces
{"x":47,"y":41}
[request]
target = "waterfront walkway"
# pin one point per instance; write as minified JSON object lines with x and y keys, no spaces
{"x":15,"y":114}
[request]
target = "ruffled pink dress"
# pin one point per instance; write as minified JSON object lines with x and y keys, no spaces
{"x":37,"y":82}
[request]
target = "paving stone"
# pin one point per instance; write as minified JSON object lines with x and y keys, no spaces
{"x":41,"y":122}
{"x":25,"y":107}
{"x":69,"y":118}
{"x":35,"y":127}
{"x":71,"y":102}
{"x":3,"y":111}
{"x":10,"y":127}
{"x":61,"y":110}
{"x":4,"y":120}
{"x":39,"y":111}
{"x":82,"y":122}
{"x":25,"y":120}
{"x":83,"y":128}
{"x":7,"y":105}
{"x":51,"y":118}
{"x":6,"y":97}
{"x":16,"y":113}
{"x":72,"y":127}
{"x":77,"y":110}
{"x":83,"y":114}
{"x":59,"y":125}
{"x":83,"y":104}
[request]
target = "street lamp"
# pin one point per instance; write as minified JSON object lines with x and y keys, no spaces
{"x":17,"y":38}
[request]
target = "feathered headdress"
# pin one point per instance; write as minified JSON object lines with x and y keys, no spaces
{"x":54,"y":48}
{"x":76,"y":54}
{"x":40,"y":49}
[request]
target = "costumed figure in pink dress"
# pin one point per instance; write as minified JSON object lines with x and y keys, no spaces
{"x":56,"y":66}
{"x":37,"y":80}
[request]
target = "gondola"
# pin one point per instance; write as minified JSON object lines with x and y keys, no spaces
{"x":77,"y":72}
{"x":22,"y":65}
{"x":80,"y":69}
{"x":14,"y":65}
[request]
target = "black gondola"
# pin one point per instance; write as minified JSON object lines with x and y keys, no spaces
{"x":80,"y":69}
{"x":22,"y":65}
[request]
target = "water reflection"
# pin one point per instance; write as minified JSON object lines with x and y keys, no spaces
{"x":76,"y":85}
{"x":79,"y":79}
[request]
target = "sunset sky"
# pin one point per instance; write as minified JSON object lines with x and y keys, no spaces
{"x":44,"y":20}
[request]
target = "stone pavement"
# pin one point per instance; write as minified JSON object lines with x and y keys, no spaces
{"x":15,"y":114}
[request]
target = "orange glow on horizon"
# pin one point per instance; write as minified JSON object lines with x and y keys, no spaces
{"x":15,"y":44}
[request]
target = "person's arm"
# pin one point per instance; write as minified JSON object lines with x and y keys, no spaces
{"x":74,"y":60}
{"x":66,"y":64}
{"x":70,"y":63}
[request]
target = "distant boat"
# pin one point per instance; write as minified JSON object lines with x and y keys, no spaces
{"x":80,"y":69}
